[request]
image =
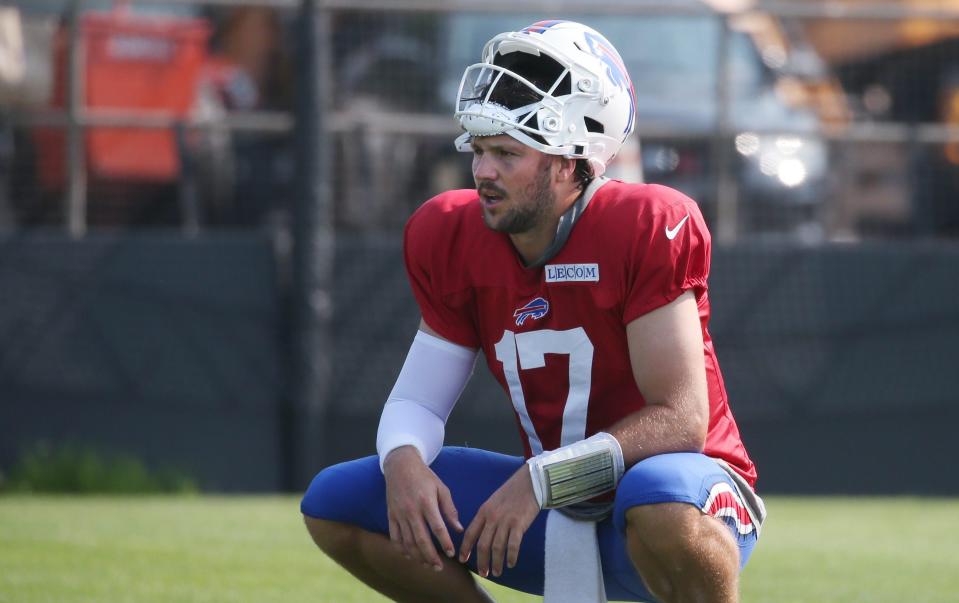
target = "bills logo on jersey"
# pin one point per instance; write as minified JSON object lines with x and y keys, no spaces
{"x":535,"y":309}
{"x":724,"y":503}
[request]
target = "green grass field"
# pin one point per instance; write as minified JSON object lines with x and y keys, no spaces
{"x":254,"y":549}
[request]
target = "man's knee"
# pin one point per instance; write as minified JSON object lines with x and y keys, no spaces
{"x":682,"y":553}
{"x":345,"y":493}
{"x":334,"y":538}
{"x":674,"y":528}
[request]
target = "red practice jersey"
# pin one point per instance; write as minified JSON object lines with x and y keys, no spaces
{"x":555,"y":336}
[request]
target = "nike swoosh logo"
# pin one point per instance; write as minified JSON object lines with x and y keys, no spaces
{"x":672,"y":232}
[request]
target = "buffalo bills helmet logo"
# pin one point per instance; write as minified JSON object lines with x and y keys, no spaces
{"x":535,"y":309}
{"x":615,"y":71}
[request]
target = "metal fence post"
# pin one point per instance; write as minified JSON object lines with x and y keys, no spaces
{"x":312,"y":297}
{"x":75,"y":202}
{"x":727,"y":202}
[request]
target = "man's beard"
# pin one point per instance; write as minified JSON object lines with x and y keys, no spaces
{"x":524,"y":218}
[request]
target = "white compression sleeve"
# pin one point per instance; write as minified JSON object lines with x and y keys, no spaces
{"x":431,"y":381}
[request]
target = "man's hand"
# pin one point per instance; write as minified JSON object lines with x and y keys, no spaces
{"x":415,"y":497}
{"x":499,"y":525}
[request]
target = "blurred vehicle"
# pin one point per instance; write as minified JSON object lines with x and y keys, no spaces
{"x":915,"y":85}
{"x":393,"y":99}
{"x":390,"y":129}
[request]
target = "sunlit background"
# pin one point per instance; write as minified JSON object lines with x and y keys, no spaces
{"x":201,"y":208}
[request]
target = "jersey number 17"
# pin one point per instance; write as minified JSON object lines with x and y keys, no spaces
{"x":528,"y":351}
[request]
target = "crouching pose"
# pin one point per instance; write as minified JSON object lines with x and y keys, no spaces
{"x":588,"y":298}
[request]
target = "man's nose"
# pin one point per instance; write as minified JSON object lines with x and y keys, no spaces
{"x":483,"y":169}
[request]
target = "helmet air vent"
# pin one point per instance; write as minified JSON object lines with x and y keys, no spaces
{"x":594,"y":126}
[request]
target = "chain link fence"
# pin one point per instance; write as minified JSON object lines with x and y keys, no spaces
{"x":810,"y":121}
{"x":801,"y":121}
{"x":146,"y":114}
{"x":324,"y":123}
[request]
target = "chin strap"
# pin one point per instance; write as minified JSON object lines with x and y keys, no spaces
{"x":568,"y":220}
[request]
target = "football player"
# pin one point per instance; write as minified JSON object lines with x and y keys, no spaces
{"x":588,"y":298}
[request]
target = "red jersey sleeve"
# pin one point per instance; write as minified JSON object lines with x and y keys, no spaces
{"x":430,"y":264}
{"x":671,"y":253}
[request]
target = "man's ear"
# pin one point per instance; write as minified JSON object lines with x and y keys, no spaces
{"x":565,"y":169}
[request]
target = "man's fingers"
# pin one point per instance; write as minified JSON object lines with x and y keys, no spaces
{"x":424,"y":545}
{"x":442,"y":535}
{"x":469,"y":537}
{"x":512,"y":549}
{"x":498,"y":549}
{"x":408,"y":543}
{"x":483,"y":544}
{"x":449,"y":510}
{"x":396,"y":536}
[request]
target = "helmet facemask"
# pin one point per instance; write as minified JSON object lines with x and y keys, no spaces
{"x":494,"y":99}
{"x":549,"y":93}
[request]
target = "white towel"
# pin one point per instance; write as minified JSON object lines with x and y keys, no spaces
{"x":574,"y":570}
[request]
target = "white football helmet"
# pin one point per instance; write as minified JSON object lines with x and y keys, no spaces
{"x":584,"y":109}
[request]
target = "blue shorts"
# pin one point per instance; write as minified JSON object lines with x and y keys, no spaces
{"x":354,"y":493}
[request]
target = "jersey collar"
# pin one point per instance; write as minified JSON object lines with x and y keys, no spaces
{"x":568,"y":220}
